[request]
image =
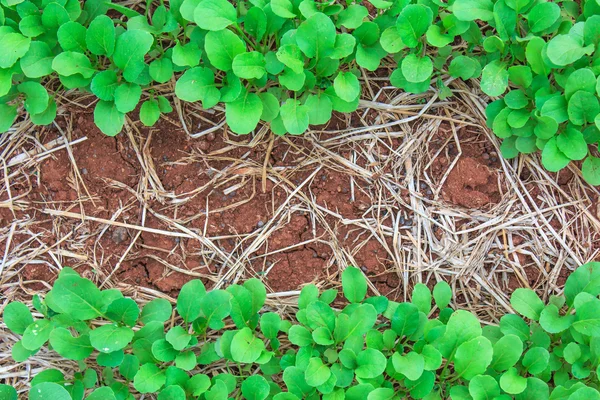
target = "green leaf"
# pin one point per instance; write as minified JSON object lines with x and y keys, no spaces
{"x":187,"y":55}
{"x":270,"y":106}
{"x":300,"y":336}
{"x":343,"y":47}
{"x":483,"y":387}
{"x":283,"y":8}
{"x":14,"y":46}
{"x":130,"y":49}
{"x":79,"y":297}
{"x":417,"y":69}
{"x":552,"y":158}
{"x":319,"y":109}
{"x":72,"y":348}
{"x":585,"y":279}
{"x":243,"y":114}
{"x":198,"y":84}
{"x":556,"y":108}
{"x":8,"y":392}
{"x":103,"y":393}
{"x":572,"y":144}
{"x":552,"y":322}
{"x":109,"y":119}
{"x":421,"y":297}
{"x":352,"y":17}
{"x":436,"y":36}
{"x":49,"y":390}
{"x":462,"y":327}
{"x":566,"y":49}
{"x":316,"y":372}
{"x":17,"y":317}
{"x":245,"y":347}
{"x":583,"y":107}
{"x":316,"y":36}
{"x":591,"y":170}
{"x":38,"y":60}
{"x":255,"y":387}
{"x":512,"y":383}
{"x":189,"y":300}
{"x":507,"y":351}
{"x":129,"y":367}
{"x":255,"y":23}
{"x":100,"y":36}
{"x":413,"y":22}
{"x":587,"y":318}
{"x":127,"y":96}
{"x":291,"y":56}
{"x":178,"y":338}
{"x":410,"y":365}
{"x":215,"y":15}
{"x":71,"y":63}
{"x":471,"y":10}
{"x":581,"y":79}
{"x":186,"y":360}
{"x":251,"y":65}
{"x":110,"y":338}
{"x":222,"y":47}
{"x":371,"y":364}
{"x":172,"y":392}
{"x":294,"y":116}
{"x":149,"y":113}
{"x":123,"y":310}
{"x":36,"y":334}
{"x":270,"y":324}
{"x":158,"y":310}
{"x":198,"y":384}
{"x":527,"y":303}
{"x":442,"y":294}
{"x":354,"y":285}
{"x":391,"y":41}
{"x":161,"y":70}
{"x":104,"y":85}
{"x":473,"y":357}
{"x":149,"y":379}
{"x":215,"y":306}
{"x":494,"y":78}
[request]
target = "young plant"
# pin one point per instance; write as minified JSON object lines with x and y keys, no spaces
{"x":371,"y":348}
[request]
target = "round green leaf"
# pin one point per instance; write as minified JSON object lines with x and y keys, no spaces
{"x":316,"y":372}
{"x":347,"y":86}
{"x":583,"y":107}
{"x":542,"y":16}
{"x":591,"y":170}
{"x":17,"y":317}
{"x":72,"y":348}
{"x":572,"y":144}
{"x":215,"y":15}
{"x":494,"y":78}
{"x":316,"y":36}
{"x":243,"y":114}
{"x":37,"y":62}
{"x":14,"y":46}
{"x":198,"y":84}
{"x":108,"y":118}
{"x":507,"y":351}
{"x":172,"y":392}
{"x":149,"y":379}
{"x":222,"y":47}
{"x":245,"y":347}
{"x":473,"y":357}
{"x":483,"y":387}
{"x":255,"y":387}
{"x":100,"y":36}
{"x":413,"y":22}
{"x":294,"y":116}
{"x":110,"y":338}
{"x":104,"y":85}
{"x":149,"y":113}
{"x":527,"y":303}
{"x":251,"y":65}
{"x":552,"y":158}
{"x":354,"y":285}
{"x":410,"y":365}
{"x":49,"y":390}
{"x":127,"y":96}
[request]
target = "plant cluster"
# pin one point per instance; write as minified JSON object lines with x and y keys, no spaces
{"x":372,"y":348}
{"x":291,"y":63}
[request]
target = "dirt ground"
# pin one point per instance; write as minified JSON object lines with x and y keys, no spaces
{"x":153,"y":208}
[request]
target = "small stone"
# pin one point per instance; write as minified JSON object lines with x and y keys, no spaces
{"x":363,"y":268}
{"x":401,"y":220}
{"x":486,"y":156}
{"x":323,"y":177}
{"x":423,"y":185}
{"x":260,"y":224}
{"x":204,"y":145}
{"x":165,"y":158}
{"x":429,"y":192}
{"x":211,"y":136}
{"x":493,"y":159}
{"x":84,"y":171}
{"x":119,"y":235}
